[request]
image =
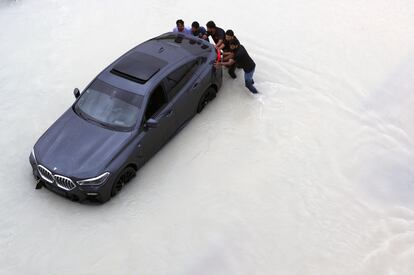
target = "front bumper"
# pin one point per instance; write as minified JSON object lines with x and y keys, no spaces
{"x":79,"y":193}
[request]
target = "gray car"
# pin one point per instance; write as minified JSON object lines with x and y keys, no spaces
{"x":125,"y":115}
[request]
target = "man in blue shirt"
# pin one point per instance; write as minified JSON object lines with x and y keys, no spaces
{"x":198,"y":31}
{"x":181,"y":28}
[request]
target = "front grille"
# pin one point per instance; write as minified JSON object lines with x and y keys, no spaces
{"x":45,"y":174}
{"x":64,"y":182}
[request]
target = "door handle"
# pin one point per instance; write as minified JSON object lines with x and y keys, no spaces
{"x":140,"y":153}
{"x":195,"y":85}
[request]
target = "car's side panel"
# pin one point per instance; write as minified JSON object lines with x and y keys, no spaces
{"x":152,"y":139}
{"x":185,"y":100}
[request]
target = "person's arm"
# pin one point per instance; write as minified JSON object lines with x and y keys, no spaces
{"x":220,"y":36}
{"x":220,"y":44}
{"x":201,"y":33}
{"x":227,"y":63}
{"x":227,"y":56}
{"x":205,"y":35}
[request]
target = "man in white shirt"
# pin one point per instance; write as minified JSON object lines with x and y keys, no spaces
{"x":181,"y":28}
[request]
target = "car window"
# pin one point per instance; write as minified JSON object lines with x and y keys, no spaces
{"x":175,"y":81}
{"x":156,"y":101}
{"x":109,"y":106}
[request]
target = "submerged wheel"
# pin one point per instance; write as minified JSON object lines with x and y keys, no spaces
{"x":126,"y":175}
{"x":207,"y":96}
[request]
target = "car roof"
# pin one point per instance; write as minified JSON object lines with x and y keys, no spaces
{"x":139,"y":68}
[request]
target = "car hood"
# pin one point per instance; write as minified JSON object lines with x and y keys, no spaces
{"x":77,"y":148}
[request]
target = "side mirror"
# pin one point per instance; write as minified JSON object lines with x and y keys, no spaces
{"x":151,"y":123}
{"x":76,"y":92}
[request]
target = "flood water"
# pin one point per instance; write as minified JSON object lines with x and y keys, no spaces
{"x":312,"y":176}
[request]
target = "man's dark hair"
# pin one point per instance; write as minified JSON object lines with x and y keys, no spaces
{"x":211,"y":25}
{"x":229,"y":33}
{"x":179,"y":21}
{"x":195,"y":25}
{"x":234,"y":42}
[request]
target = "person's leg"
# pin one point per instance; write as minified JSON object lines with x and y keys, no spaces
{"x":232,"y":70}
{"x":248,"y":80}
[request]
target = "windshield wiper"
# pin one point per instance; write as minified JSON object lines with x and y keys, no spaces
{"x":85,"y":116}
{"x":105,"y":125}
{"x":95,"y":121}
{"x":80,"y":113}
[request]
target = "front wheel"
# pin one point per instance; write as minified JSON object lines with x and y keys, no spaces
{"x":207,"y":96}
{"x":124,"y":177}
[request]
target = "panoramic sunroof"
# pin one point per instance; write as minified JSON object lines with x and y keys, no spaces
{"x":138,"y":67}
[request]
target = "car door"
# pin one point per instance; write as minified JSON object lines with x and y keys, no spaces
{"x":183,"y":91}
{"x":155,"y":126}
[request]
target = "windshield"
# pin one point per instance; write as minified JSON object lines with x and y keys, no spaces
{"x":109,"y":106}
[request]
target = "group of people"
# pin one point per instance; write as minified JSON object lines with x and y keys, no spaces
{"x":233,"y":53}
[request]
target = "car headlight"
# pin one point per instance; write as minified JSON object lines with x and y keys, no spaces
{"x":95,"y":181}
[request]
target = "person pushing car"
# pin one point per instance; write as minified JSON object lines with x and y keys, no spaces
{"x":241,"y":59}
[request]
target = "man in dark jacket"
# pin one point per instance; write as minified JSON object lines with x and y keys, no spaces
{"x":226,"y":42}
{"x":215,"y":32}
{"x":241,"y":59}
{"x":228,"y":53}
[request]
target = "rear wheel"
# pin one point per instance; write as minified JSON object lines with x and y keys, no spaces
{"x":126,"y":175}
{"x":207,"y":96}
